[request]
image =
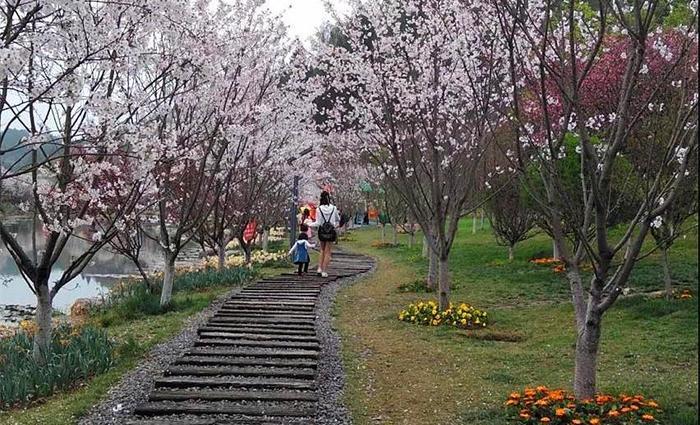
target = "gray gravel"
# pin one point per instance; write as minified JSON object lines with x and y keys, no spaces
{"x":331,"y":376}
{"x":134,"y":387}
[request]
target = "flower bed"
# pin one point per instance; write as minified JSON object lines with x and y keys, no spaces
{"x":462,"y":316}
{"x":75,"y":354}
{"x":558,"y":265}
{"x":541,"y":405}
{"x":257,"y":258}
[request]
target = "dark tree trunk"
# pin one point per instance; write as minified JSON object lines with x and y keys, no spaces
{"x":44,"y":310}
{"x":444,"y":284}
{"x":168,"y":278}
{"x":668,"y":283}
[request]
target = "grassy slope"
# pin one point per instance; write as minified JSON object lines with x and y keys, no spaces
{"x":404,"y":374}
{"x":135,"y":339}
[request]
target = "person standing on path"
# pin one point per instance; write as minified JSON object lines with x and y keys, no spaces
{"x":300,"y":250}
{"x":327,"y":220}
{"x":307,"y":220}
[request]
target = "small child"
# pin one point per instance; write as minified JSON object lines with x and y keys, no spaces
{"x":300,"y":249}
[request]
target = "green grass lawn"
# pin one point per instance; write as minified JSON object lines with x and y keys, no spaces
{"x":400,"y":373}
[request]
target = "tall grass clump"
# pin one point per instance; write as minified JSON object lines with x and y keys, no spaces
{"x":75,"y":354}
{"x":211,"y":278}
{"x":132,"y":300}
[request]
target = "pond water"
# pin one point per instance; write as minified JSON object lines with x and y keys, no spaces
{"x":102,"y":273}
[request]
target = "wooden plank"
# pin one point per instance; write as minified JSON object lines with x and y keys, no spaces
{"x":187,"y":408}
{"x":209,"y":395}
{"x":251,"y":352}
{"x":209,"y":421}
{"x":271,"y":315}
{"x":261,"y":344}
{"x":257,"y":336}
{"x":245,"y":361}
{"x":261,"y":326}
{"x":260,"y":330}
{"x":233,"y":382}
{"x":264,"y":319}
{"x":240,"y":371}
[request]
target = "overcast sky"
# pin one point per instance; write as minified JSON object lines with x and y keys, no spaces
{"x":304,"y":17}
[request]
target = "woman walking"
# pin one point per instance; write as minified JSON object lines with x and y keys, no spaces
{"x":327,"y":220}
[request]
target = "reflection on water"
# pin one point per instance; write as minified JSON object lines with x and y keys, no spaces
{"x":95,"y":280}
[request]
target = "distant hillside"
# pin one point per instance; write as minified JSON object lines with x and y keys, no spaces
{"x":12,"y":139}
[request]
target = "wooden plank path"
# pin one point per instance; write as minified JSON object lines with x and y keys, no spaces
{"x":254,"y":361}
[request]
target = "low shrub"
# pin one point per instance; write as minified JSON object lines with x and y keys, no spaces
{"x":541,"y":405}
{"x":75,"y":354}
{"x":462,"y":316}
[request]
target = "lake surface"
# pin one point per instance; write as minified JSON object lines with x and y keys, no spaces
{"x":105,"y":269}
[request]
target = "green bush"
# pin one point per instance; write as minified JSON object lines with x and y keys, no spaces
{"x":74,"y":355}
{"x":211,"y":278}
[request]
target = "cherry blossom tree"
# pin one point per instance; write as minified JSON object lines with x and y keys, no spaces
{"x":591,"y":79}
{"x":62,"y":63}
{"x":511,"y":220}
{"x":426,"y":78}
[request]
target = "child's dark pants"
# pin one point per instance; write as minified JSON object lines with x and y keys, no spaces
{"x":303,"y":267}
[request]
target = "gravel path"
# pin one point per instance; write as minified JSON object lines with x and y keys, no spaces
{"x":331,"y":376}
{"x":135,"y":386}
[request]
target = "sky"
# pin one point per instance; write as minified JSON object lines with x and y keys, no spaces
{"x":304,"y":17}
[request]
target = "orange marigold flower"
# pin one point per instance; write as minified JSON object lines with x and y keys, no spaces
{"x":634,"y":407}
{"x":647,"y":418}
{"x":625,"y":410}
{"x":545,"y":420}
{"x":541,"y":388}
{"x":525,"y":415}
{"x":652,"y":403}
{"x":556,"y":395}
{"x":594,"y":421}
{"x":613,"y":413}
{"x":571,"y":405}
{"x":602,"y":399}
{"x":576,"y":422}
{"x":530,"y":392}
{"x":542,"y":402}
{"x":514,"y":395}
{"x":560,"y":412}
{"x":511,"y":402}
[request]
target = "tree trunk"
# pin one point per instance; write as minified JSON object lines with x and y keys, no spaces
{"x":265,"y":240}
{"x":481,"y":218}
{"x":144,"y":276}
{"x":432,"y":270}
{"x":221,"y":253}
{"x":168,"y":279}
{"x":511,"y":249}
{"x":412,"y":238}
{"x":42,"y":338}
{"x":668,"y":283}
{"x":587,"y":358}
{"x":424,"y":253}
{"x":444,"y":284}
{"x":474,"y":223}
{"x":555,"y":250}
{"x":395,"y":235}
{"x":383,"y":234}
